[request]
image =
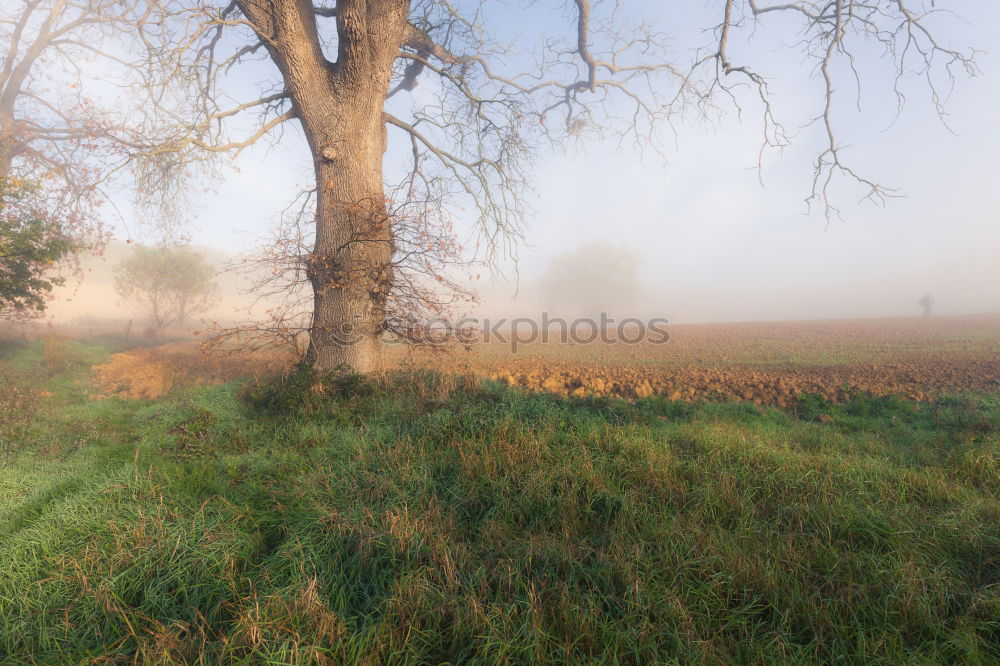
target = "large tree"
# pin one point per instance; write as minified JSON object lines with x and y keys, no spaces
{"x":348,"y":71}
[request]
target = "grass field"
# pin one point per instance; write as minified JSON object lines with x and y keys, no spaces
{"x":420,"y":518}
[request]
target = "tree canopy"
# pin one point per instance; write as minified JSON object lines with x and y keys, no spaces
{"x":31,"y":244}
{"x":591,"y":280}
{"x":167,"y":284}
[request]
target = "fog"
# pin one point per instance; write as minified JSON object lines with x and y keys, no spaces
{"x":710,"y":238}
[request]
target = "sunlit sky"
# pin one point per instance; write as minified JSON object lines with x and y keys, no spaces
{"x":713,"y":243}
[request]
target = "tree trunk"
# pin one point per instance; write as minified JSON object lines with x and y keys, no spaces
{"x":350,"y":268}
{"x":340,"y":107}
{"x":7,"y":143}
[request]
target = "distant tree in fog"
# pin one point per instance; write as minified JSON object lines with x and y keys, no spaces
{"x":590,"y":280}
{"x":927,"y":303}
{"x":167,"y":284}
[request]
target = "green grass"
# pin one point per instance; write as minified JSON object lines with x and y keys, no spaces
{"x":421,"y":520}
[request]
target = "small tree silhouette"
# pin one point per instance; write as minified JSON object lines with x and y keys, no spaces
{"x":927,"y":303}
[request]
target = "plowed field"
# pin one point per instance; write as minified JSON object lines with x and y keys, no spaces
{"x":766,"y":363}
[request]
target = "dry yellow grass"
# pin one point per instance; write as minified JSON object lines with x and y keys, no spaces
{"x":150,"y":372}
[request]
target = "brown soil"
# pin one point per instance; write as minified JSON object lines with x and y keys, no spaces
{"x":766,"y":363}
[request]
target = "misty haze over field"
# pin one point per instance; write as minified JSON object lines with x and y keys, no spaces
{"x":710,"y":242}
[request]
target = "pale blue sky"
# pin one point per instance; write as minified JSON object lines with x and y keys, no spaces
{"x":714,"y":244}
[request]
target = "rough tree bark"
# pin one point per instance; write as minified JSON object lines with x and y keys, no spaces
{"x":8,"y":141}
{"x":340,"y":107}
